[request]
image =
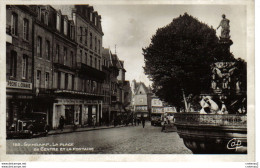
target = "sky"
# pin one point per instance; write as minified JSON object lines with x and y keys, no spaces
{"x":130,"y":28}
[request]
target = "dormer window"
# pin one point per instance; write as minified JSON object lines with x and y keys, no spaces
{"x":95,"y":21}
{"x":39,"y":13}
{"x":72,"y":32}
{"x":80,"y":37}
{"x":65,"y":27}
{"x":46,"y":20}
{"x":91,"y":41}
{"x":91,"y":16}
{"x":58,"y":22}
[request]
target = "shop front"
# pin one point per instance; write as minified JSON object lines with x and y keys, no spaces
{"x":16,"y":107}
{"x":76,"y":112}
{"x":18,"y":100}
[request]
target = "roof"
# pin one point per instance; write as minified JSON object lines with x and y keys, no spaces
{"x":138,"y":87}
{"x":115,"y":61}
{"x":106,"y":53}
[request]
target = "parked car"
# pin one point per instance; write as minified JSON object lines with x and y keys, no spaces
{"x":28,"y":125}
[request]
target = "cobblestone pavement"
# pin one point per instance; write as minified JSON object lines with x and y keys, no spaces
{"x":124,"y":140}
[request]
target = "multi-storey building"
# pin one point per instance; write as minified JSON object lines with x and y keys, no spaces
{"x":140,"y":100}
{"x":19,"y":61}
{"x":85,"y":24}
{"x":90,"y":76}
{"x":106,"y":86}
{"x":156,"y":105}
{"x":42,"y":33}
{"x":62,"y":72}
{"x":116,"y":105}
{"x":66,"y":103}
{"x":127,"y":95}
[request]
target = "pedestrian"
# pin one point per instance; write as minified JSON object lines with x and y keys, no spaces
{"x":94,"y":121}
{"x":138,"y":121}
{"x":164,"y":126}
{"x":143,"y":121}
{"x":61,"y":122}
{"x":115,"y":122}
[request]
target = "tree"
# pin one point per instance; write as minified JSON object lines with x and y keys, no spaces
{"x":179,"y":57}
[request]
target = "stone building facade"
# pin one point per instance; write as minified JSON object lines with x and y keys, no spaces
{"x":19,"y":61}
{"x":141,"y":99}
{"x":63,"y":70}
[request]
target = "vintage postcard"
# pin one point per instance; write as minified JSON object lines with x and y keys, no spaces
{"x":127,"y":81}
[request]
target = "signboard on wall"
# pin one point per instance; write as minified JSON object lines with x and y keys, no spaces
{"x":18,"y":85}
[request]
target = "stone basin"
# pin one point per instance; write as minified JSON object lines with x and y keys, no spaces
{"x":213,"y":133}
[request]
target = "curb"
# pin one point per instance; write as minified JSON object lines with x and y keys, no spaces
{"x":83,"y":130}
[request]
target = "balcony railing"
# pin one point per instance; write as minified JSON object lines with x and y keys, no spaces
{"x":91,"y":72}
{"x":211,"y":119}
{"x":71,"y":92}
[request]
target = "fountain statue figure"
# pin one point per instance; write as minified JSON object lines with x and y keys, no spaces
{"x":224,"y":24}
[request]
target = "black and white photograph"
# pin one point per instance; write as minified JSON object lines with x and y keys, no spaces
{"x":124,"y":78}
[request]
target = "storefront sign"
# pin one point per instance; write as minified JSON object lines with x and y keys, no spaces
{"x":19,"y":85}
{"x":9,"y":39}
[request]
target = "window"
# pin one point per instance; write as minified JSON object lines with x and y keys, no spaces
{"x":80,"y":37}
{"x":13,"y":64}
{"x":94,"y":86}
{"x":58,"y":22}
{"x":72,"y":32}
{"x":80,"y":52}
{"x":86,"y":36}
{"x":47,"y":79}
{"x":14,"y":24}
{"x":99,"y":46}
{"x":85,"y":85}
{"x":46,"y":18}
{"x":65,"y":55}
{"x":25,"y":29}
{"x":39,"y":47}
{"x":24,"y":66}
{"x":38,"y":79}
{"x":72,"y":58}
{"x":99,"y":64}
{"x":39,"y":13}
{"x":95,"y":62}
{"x":73,"y":80}
{"x":58,"y":52}
{"x":65,"y":27}
{"x":86,"y":58}
{"x":47,"y":50}
{"x":59,"y":80}
{"x":95,"y":21}
{"x":82,"y":84}
{"x":95,"y":43}
{"x":66,"y":80}
{"x":91,"y":61}
{"x":90,"y":41}
{"x":91,"y":16}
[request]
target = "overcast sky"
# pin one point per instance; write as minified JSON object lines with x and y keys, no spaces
{"x":131,"y":27}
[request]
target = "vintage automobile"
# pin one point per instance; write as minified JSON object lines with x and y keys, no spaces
{"x":29,"y":125}
{"x":156,"y":119}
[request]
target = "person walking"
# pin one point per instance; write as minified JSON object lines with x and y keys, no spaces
{"x":143,"y":121}
{"x":94,"y":121}
{"x":61,"y":122}
{"x":138,"y":121}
